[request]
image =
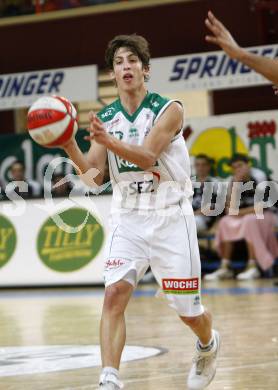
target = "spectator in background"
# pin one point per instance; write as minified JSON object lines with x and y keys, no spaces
{"x":202,"y":170}
{"x":27,"y":189}
{"x":258,"y":233}
{"x":60,"y":188}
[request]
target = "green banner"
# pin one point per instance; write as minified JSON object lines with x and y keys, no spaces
{"x":67,"y":251}
{"x":35,"y":157}
{"x":7,"y":240}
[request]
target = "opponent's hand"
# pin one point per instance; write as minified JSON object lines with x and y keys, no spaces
{"x":97,"y":131}
{"x":222,"y":37}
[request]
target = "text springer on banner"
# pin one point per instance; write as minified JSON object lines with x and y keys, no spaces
{"x":207,"y":71}
{"x":22,"y":89}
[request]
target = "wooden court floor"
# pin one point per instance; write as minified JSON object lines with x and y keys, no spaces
{"x":245,"y":313}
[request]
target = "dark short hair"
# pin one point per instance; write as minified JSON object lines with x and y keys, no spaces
{"x":239,"y":157}
{"x":203,"y":157}
{"x":137,"y":45}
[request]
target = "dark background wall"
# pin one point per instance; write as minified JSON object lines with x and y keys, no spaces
{"x":171,"y":29}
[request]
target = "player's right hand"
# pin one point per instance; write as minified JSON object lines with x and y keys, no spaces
{"x":97,"y":131}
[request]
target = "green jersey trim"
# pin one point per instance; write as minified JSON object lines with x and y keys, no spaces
{"x":152,"y":101}
{"x":131,"y":118}
{"x":157,"y":103}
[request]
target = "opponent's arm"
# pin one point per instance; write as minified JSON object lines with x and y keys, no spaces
{"x":268,"y":67}
{"x":144,"y":156}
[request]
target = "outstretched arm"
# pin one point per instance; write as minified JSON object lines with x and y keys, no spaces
{"x":267,"y":67}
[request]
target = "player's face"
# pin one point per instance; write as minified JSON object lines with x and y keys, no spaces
{"x":17,"y":172}
{"x":128,"y":70}
{"x":202,"y":167}
{"x":241,"y":169}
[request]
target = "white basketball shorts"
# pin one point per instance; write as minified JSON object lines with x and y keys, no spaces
{"x":168,"y":244}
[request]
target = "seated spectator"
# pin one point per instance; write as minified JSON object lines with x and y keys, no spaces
{"x":60,"y":188}
{"x":27,"y":189}
{"x":202,"y":169}
{"x":258,"y":233}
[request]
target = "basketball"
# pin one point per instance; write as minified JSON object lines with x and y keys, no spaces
{"x":51,"y":121}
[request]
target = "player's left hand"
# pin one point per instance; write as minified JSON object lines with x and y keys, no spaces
{"x":96,"y":130}
{"x":222,"y":37}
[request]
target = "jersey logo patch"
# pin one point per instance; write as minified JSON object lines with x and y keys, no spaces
{"x":133,"y":132}
{"x":108,"y":112}
{"x":154,"y":104}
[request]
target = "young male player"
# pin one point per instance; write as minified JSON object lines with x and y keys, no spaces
{"x":153,"y":221}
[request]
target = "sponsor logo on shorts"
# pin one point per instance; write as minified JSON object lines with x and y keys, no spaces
{"x":113,"y":263}
{"x":180,"y":286}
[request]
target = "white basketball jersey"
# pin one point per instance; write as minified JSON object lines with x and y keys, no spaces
{"x":168,"y":181}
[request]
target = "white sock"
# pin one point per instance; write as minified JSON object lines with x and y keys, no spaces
{"x":110,"y":370}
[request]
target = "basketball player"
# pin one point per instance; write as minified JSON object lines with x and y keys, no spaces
{"x":152,"y":221}
{"x":268,"y":67}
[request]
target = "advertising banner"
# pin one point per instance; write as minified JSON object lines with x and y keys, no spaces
{"x":58,"y":242}
{"x":208,"y":71}
{"x":35,"y":157}
{"x":22,"y":89}
{"x":221,"y":136}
